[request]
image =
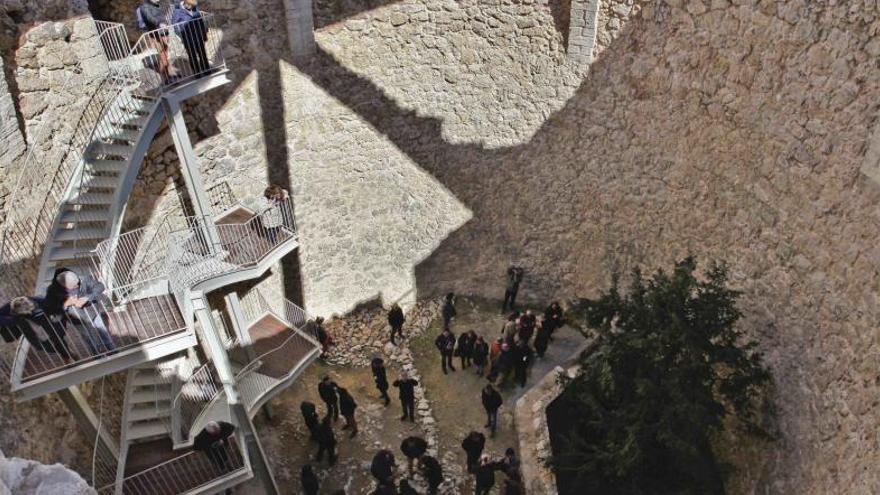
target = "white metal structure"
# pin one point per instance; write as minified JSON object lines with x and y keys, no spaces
{"x":165,"y":362}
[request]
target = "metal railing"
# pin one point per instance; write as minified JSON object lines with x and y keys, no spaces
{"x":97,"y":330}
{"x":196,"y":395}
{"x":177,"y":54}
{"x":181,"y":250}
{"x":186,"y":472}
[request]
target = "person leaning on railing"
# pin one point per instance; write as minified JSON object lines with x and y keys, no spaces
{"x":190,"y":26}
{"x":213,"y":440}
{"x":78,"y":298}
{"x":150,"y":17}
{"x":16,"y":319}
{"x":272,"y":214}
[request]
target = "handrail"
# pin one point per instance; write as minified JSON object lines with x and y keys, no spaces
{"x":186,"y":472}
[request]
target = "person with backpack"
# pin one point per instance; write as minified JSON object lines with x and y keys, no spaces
{"x":151,"y":17}
{"x":445,"y":343}
{"x":190,"y":26}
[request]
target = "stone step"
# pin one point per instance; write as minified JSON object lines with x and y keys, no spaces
{"x":82,"y":233}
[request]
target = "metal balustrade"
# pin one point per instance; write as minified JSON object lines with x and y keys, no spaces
{"x":196,"y":395}
{"x":185,"y":473}
{"x":95,"y":331}
{"x":177,"y":54}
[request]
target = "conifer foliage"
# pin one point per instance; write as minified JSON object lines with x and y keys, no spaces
{"x":670,"y":366}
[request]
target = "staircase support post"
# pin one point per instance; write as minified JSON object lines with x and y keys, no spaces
{"x":259,"y":463}
{"x":189,"y":167}
{"x":87,"y":420}
{"x":300,"y":27}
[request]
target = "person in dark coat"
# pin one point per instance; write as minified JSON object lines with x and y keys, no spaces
{"x":77,"y":298}
{"x":16,"y":319}
{"x":377,"y":365}
{"x":407,"y":394}
{"x":514,"y":278}
{"x":382,"y":467}
{"x":484,"y":475}
{"x":213,"y":440}
{"x":542,"y":338}
{"x":150,"y":16}
{"x":326,"y":441}
{"x":509,"y":330}
{"x":405,"y":489}
{"x":480,"y":355}
{"x":510,"y":463}
{"x":413,"y":448}
{"x":396,"y":321}
{"x":527,"y":324}
{"x":323,"y":336}
{"x":473,"y":446}
{"x":504,"y":364}
{"x":513,"y":486}
{"x":524,"y":357}
{"x":491,"y":403}
{"x":445,"y":343}
{"x":327,"y":391}
{"x":554,"y":316}
{"x":310,"y":418}
{"x":433,"y":473}
{"x":309,"y":481}
{"x":347,"y":405}
{"x":448,"y":311}
{"x":465,"y":348}
{"x":192,"y":29}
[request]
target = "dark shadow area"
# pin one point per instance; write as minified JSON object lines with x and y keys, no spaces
{"x":330,"y":12}
{"x":561,"y":12}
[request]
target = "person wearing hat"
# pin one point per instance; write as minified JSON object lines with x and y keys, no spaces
{"x":76,"y":297}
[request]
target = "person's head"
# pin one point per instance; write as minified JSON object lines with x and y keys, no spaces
{"x":319,"y":320}
{"x":154,"y":2}
{"x":404,"y":375}
{"x":377,"y":363}
{"x":395,"y":306}
{"x":480,"y":339}
{"x":498,"y":340}
{"x":505,"y":346}
{"x":509,"y":452}
{"x":22,"y":306}
{"x":450,"y":296}
{"x":212,"y":427}
{"x":68,"y":281}
{"x":489,"y":388}
{"x":325,"y":378}
{"x":485,"y":459}
{"x":446,"y":331}
{"x":342,"y":391}
{"x":528,"y":312}
{"x":307,"y":470}
{"x":190,"y":4}
{"x":555,"y":304}
{"x":273,"y":191}
{"x":472,"y":334}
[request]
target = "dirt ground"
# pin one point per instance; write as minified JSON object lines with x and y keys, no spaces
{"x":454,"y":400}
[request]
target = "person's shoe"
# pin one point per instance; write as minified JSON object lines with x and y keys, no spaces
{"x":451,"y":368}
{"x":403,"y":418}
{"x":445,"y":372}
{"x":345,"y":427}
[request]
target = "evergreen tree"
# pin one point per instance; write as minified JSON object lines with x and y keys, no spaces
{"x":670,"y":365}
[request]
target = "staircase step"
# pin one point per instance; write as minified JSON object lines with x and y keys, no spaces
{"x":133,"y":120}
{"x":146,"y":413}
{"x":106,"y":165}
{"x":82,"y":216}
{"x":146,"y":429}
{"x":92,"y":199}
{"x":148,"y":377}
{"x":99,"y":148}
{"x":82,"y":233}
{"x":65,"y":254}
{"x":102,"y":182}
{"x":121,"y":133}
{"x":149,"y":395}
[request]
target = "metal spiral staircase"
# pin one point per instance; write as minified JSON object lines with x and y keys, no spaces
{"x":176,"y":363}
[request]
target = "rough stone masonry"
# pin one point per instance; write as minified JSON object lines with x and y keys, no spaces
{"x":429,"y":143}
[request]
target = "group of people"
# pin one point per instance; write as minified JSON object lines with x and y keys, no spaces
{"x":187,"y":23}
{"x":70,"y":300}
{"x":522,"y":337}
